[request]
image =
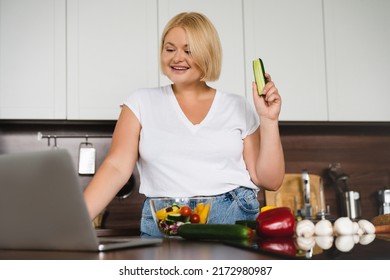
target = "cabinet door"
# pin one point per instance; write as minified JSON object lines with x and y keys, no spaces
{"x":358,"y":60}
{"x":288,"y":36}
{"x":227,"y":18}
{"x":32,"y":59}
{"x":112,"y":50}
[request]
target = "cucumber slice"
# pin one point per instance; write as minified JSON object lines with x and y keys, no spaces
{"x":175,"y":217}
{"x":175,"y":206}
{"x":169,"y":222}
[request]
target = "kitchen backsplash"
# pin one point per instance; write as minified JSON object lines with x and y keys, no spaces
{"x":362,"y":149}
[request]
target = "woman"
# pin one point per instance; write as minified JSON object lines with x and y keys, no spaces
{"x":189,"y":139}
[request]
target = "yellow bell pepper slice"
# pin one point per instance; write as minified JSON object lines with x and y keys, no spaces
{"x":267,"y":207}
{"x":204,"y":214}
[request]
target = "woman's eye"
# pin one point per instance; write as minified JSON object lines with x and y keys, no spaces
{"x":188,"y":52}
{"x":169,"y":50}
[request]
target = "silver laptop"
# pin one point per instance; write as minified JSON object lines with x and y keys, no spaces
{"x":42,"y":206}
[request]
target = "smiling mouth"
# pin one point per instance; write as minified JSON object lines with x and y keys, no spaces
{"x":179,"y":68}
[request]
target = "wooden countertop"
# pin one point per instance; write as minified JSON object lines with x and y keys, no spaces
{"x":181,"y":249}
{"x":170,"y":249}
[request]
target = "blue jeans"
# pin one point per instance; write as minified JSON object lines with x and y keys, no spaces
{"x":238,"y":204}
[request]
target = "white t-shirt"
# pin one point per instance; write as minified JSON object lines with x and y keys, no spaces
{"x":180,"y":159}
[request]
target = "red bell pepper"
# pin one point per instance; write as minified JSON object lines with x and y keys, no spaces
{"x":276,"y":222}
{"x":281,"y":245}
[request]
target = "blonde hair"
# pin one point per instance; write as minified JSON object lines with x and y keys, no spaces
{"x":203,"y":42}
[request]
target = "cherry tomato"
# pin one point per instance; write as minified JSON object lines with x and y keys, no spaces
{"x":185,"y":211}
{"x":194,"y":218}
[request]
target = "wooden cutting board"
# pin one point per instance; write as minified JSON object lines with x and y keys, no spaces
{"x":290,"y":194}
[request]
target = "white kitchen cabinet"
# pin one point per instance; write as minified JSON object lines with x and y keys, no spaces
{"x":288,"y":36}
{"x":112,"y":49}
{"x":358,"y":59}
{"x":227,"y":18}
{"x":32,"y":59}
{"x":78,"y":59}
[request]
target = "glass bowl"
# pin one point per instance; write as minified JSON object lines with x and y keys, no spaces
{"x":170,"y":213}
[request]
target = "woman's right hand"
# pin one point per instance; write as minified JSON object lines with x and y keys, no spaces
{"x":269,"y":104}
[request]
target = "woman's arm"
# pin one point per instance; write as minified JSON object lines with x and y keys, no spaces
{"x":118,"y":165}
{"x":263,"y":152}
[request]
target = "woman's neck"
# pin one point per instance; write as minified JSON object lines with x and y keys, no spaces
{"x":192,"y":91}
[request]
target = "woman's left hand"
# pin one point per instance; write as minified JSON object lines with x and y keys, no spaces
{"x":269,"y":104}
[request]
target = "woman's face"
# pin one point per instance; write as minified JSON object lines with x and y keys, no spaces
{"x":176,"y":60}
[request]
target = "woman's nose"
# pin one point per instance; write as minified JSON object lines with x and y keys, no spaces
{"x":179,"y":56}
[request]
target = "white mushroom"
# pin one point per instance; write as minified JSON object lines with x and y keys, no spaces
{"x":325,"y":242}
{"x":306,"y":243}
{"x":343,"y":226}
{"x":304,"y":228}
{"x":366,"y":239}
{"x":366,"y":227}
{"x":355,"y":228}
{"x":344,"y":243}
{"x":323,"y":228}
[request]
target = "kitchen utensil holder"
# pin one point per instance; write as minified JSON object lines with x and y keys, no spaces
{"x":41,"y":136}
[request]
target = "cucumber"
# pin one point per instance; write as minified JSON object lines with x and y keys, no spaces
{"x":258,"y":71}
{"x":249,"y":223}
{"x":215,"y":231}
